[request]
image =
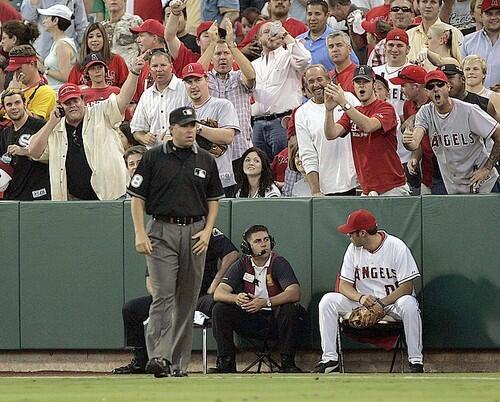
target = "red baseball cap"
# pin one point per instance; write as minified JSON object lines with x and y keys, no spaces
{"x":193,"y":70}
{"x":489,"y":5}
{"x":154,"y":27}
{"x":360,"y":219}
{"x":204,"y":25}
{"x":397,"y":34}
{"x":410,"y":75}
{"x":435,"y":75}
{"x":68,"y":91}
{"x":15,"y":62}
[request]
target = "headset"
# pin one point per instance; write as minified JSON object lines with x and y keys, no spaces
{"x":245,"y":245}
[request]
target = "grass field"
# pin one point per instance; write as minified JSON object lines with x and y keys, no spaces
{"x":256,"y":388}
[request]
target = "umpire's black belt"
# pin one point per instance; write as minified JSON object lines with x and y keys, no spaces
{"x":178,"y":220}
{"x":273,"y":116}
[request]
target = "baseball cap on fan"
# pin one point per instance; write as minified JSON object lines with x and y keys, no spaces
{"x":193,"y":70}
{"x":68,"y":91}
{"x":150,"y":26}
{"x":57,"y":10}
{"x":92,"y":59}
{"x":364,"y":72}
{"x":360,"y":219}
{"x":410,"y":75}
{"x":487,"y":5}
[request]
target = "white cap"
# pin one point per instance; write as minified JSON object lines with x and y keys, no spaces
{"x":57,"y":10}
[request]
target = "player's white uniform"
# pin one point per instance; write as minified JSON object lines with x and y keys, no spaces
{"x":458,"y":141}
{"x":376,"y":273}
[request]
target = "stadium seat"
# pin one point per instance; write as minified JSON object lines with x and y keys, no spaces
{"x":207,"y":323}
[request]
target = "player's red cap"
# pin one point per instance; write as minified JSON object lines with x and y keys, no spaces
{"x":68,"y":91}
{"x":435,"y":75}
{"x":489,"y":5}
{"x":397,"y":34}
{"x":154,"y":27}
{"x":360,"y":219}
{"x":193,"y":70}
{"x":410,"y":75}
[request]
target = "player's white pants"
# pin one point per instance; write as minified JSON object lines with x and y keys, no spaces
{"x":405,"y":309}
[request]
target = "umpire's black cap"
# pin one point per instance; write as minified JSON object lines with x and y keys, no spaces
{"x":182,"y":116}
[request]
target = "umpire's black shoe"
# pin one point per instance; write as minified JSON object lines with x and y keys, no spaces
{"x":134,"y":367}
{"x":158,"y":367}
{"x":416,"y":368}
{"x":179,"y":373}
{"x":288,"y":365}
{"x":224,"y":365}
{"x":330,"y":366}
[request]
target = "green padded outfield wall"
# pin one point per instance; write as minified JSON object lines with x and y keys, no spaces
{"x":71,"y":259}
{"x":462,"y":271}
{"x":398,"y":216}
{"x":9,"y":275}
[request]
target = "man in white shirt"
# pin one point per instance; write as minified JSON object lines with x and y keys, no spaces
{"x":150,"y":122}
{"x":329,"y":165}
{"x":278,"y":86}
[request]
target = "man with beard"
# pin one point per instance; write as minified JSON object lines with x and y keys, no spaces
{"x":279,"y":86}
{"x":329,"y":165}
{"x":484,"y":42}
{"x":30,"y":181}
{"x":457,"y":132}
{"x":373,"y":134}
{"x":219,"y":122}
{"x":278,"y":11}
{"x":235,"y":86}
{"x":84,"y":150}
{"x":150,"y":122}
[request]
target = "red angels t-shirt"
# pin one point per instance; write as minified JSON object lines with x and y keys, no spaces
{"x":344,"y":78}
{"x":98,"y":94}
{"x":116,"y":76}
{"x":375,"y":154}
{"x":410,"y":109}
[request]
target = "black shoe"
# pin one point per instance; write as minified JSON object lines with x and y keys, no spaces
{"x":159,"y":367}
{"x":288,"y":365}
{"x":416,"y":368}
{"x":134,"y":367}
{"x":179,"y":373}
{"x":330,"y":366}
{"x":225,"y":364}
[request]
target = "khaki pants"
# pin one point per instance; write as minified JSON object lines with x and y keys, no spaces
{"x":176,"y":276}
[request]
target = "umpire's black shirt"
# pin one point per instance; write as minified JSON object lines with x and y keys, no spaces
{"x":176,"y":182}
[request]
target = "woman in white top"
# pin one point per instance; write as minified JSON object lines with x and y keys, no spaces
{"x":62,"y":55}
{"x":255,"y":178}
{"x":475,"y":69}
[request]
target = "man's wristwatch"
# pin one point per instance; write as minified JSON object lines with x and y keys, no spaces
{"x":346,"y":107}
{"x":268,"y":303}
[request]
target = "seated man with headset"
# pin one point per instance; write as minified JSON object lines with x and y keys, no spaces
{"x":259,"y":291}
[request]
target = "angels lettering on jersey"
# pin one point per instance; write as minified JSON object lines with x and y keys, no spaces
{"x":453,"y":140}
{"x":387,"y":274}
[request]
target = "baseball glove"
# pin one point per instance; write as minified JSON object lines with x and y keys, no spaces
{"x":363,"y":317}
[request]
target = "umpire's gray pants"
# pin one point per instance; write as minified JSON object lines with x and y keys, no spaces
{"x":176,"y":275}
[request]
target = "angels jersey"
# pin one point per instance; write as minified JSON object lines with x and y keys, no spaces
{"x":380,"y":272}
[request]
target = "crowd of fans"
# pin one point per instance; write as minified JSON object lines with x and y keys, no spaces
{"x":293,"y":98}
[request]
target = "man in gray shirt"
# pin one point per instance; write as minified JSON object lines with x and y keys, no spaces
{"x":218,"y":123}
{"x":457,"y":132}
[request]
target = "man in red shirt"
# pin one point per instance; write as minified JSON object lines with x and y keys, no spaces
{"x":96,"y":70}
{"x":373,"y":134}
{"x":278,"y":11}
{"x":412,"y":81}
{"x":339,"y":48}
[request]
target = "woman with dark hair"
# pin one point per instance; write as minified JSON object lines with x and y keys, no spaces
{"x":255,"y":179}
{"x":95,"y":40}
{"x":62,"y":55}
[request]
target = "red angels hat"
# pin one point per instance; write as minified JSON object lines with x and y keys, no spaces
{"x":360,"y":219}
{"x":193,"y":70}
{"x":410,"y":75}
{"x":435,"y":75}
{"x":154,"y":27}
{"x":397,"y":34}
{"x":204,"y":25}
{"x":489,"y":5}
{"x":68,"y":91}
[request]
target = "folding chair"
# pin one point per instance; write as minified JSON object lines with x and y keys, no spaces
{"x":207,"y":323}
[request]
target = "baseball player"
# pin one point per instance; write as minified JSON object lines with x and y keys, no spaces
{"x":378,"y":273}
{"x":457,"y":132}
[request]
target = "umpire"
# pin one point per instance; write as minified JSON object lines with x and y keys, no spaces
{"x":178,"y":184}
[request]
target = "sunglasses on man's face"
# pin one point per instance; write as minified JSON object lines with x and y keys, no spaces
{"x":432,"y":85}
{"x":396,"y":9}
